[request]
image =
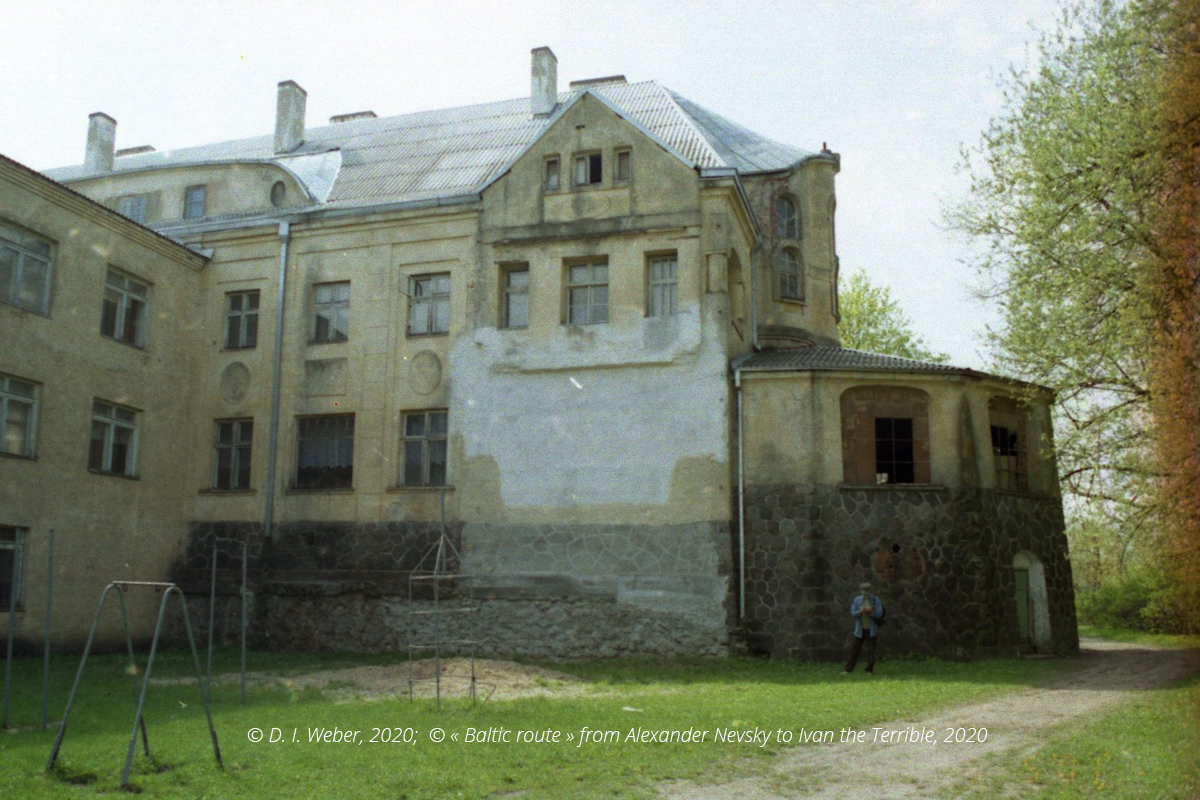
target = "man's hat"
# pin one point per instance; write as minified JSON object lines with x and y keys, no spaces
{"x":864,"y":586}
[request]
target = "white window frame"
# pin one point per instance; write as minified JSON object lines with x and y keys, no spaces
{"x":133,"y":206}
{"x":587,"y":287}
{"x":790,"y":282}
{"x":508,"y":292}
{"x":239,"y":316}
{"x":129,"y":290}
{"x":331,"y":309}
{"x":238,"y":446}
{"x":112,"y":417}
{"x":13,"y":538}
{"x":10,"y":395}
{"x":588,"y":169}
{"x":429,"y":304}
{"x":423,"y":442}
{"x":190,"y":203}
{"x":662,"y":285}
{"x":31,"y":253}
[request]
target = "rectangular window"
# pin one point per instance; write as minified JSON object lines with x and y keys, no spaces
{"x":894,"y":452}
{"x":1010,"y":460}
{"x":18,"y":416}
{"x":114,"y":439}
{"x":624,"y":165}
{"x":325,"y":452}
{"x":331,"y":312}
{"x":24,"y":269}
{"x":234,"y":444}
{"x":194,"y":200}
{"x":241,"y":320}
{"x":551,"y":173}
{"x":123,"y":316}
{"x":424,"y":456}
{"x":515,"y":304}
{"x":662,"y":287}
{"x":429,"y":304}
{"x":588,"y":169}
{"x":587,"y":294}
{"x":133,"y":206}
{"x":12,"y":565}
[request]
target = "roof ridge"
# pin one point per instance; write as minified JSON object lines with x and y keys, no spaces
{"x":691,"y":123}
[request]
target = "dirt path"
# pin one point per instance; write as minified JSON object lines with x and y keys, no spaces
{"x":1111,"y":673}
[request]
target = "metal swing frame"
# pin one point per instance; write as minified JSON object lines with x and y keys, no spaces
{"x":139,"y":722}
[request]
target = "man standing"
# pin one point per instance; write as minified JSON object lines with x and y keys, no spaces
{"x":867,"y":610}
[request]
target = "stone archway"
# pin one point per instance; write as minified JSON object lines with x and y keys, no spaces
{"x":1032,"y":601}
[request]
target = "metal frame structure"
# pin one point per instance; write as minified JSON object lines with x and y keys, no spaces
{"x":439,"y":571}
{"x":12,"y":616}
{"x":212,"y":609}
{"x":139,"y":723}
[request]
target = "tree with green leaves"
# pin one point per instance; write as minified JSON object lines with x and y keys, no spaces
{"x":1063,"y":186}
{"x":871,"y":320}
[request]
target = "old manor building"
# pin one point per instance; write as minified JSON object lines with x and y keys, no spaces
{"x":593,"y":333}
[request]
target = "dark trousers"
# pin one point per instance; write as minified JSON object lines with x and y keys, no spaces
{"x":857,"y":648}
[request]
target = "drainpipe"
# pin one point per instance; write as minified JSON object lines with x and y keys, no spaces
{"x":285,"y":235}
{"x":741,"y":479}
{"x":754,"y":295}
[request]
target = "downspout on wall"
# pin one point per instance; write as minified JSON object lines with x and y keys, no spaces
{"x":741,"y":483}
{"x":285,"y":236}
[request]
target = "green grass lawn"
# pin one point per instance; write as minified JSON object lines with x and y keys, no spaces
{"x":1139,"y":637}
{"x":662,"y":694}
{"x":1147,"y":749}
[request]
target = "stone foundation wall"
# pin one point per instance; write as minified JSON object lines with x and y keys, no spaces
{"x":940,"y":560}
{"x":566,"y":591}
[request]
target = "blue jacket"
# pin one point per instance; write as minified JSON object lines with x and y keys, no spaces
{"x":856,"y":612}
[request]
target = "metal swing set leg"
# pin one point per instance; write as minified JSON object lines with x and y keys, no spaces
{"x":139,"y":722}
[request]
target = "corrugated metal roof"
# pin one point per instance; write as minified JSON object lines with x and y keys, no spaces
{"x":458,"y":151}
{"x":840,"y":358}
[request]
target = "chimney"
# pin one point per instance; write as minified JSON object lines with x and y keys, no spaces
{"x":289,"y":117}
{"x":101,"y":141}
{"x":544,"y":82}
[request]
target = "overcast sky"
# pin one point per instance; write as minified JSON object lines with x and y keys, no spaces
{"x":894,"y":87}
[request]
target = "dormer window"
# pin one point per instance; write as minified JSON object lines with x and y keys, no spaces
{"x":551,"y":178}
{"x":588,"y":169}
{"x":195,"y":199}
{"x":786,"y":221}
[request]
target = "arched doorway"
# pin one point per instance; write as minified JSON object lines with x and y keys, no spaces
{"x":1033,"y":612}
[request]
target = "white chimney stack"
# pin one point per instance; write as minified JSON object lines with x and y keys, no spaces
{"x":289,"y":117}
{"x":544,"y":82}
{"x":101,"y":143}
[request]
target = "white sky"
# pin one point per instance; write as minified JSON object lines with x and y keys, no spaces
{"x":894,"y":87}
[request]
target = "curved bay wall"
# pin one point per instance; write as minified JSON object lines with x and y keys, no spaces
{"x":941,"y":560}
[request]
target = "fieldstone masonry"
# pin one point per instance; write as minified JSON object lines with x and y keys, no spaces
{"x":940,"y":560}
{"x":568,"y":591}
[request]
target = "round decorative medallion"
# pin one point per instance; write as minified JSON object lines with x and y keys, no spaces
{"x":425,"y":372}
{"x":278,"y":194}
{"x":235,"y":380}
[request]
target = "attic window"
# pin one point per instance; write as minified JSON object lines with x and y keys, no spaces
{"x":588,"y":169}
{"x":278,"y":193}
{"x":624,"y":165}
{"x":551,"y":173}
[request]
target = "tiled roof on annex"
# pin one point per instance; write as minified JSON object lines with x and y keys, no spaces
{"x":454,"y":151}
